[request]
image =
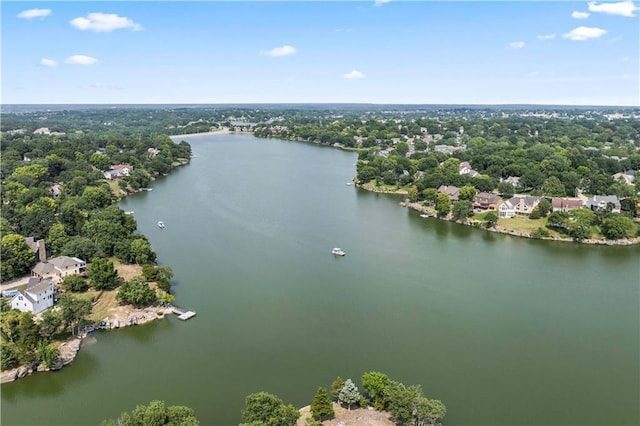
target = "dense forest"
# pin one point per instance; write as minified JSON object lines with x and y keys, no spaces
{"x":55,"y":188}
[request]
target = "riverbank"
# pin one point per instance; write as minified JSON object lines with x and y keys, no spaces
{"x":223,"y":131}
{"x":516,"y":233}
{"x":124,"y":316}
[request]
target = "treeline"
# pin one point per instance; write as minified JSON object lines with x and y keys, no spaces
{"x":406,"y":404}
{"x":53,"y":188}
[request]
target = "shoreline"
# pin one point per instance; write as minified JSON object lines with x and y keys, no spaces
{"x":224,"y":131}
{"x":69,"y":349}
{"x":500,"y":230}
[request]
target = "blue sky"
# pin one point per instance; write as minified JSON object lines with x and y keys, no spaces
{"x":578,"y":53}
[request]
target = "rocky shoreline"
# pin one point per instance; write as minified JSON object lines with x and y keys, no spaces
{"x":124,"y":316}
{"x":431,"y":213}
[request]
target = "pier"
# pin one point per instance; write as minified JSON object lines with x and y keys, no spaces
{"x":182,"y":314}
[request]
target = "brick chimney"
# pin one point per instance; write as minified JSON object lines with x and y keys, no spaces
{"x":42,"y":251}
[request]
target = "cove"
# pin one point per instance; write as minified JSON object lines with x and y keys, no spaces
{"x":503,"y":330}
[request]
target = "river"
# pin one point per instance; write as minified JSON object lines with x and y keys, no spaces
{"x":503,"y":330}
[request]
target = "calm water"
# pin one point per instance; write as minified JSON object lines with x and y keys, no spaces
{"x":503,"y":330}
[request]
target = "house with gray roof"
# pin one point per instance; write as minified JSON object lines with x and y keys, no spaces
{"x":602,"y":202}
{"x":59,"y":267}
{"x":452,"y":191}
{"x":518,"y":205}
{"x":37,"y":297}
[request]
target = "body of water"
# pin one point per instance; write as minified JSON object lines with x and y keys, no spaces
{"x":503,"y":330}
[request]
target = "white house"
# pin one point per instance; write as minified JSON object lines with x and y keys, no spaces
{"x":37,"y":297}
{"x":506,"y":209}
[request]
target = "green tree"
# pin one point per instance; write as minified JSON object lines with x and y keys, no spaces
{"x":412,"y":193}
{"x":467,"y":193}
{"x":544,"y":207}
{"x":49,"y":324}
{"x":336,"y":387}
{"x":74,"y":311}
{"x":156,"y":414}
{"x":100,"y":161}
{"x":102,"y":274}
{"x":141,"y":252}
{"x":269,"y":410}
{"x":430,"y":195}
{"x":8,"y":356}
{"x":47,"y":354}
{"x":462,"y":210}
{"x":349,"y":394}
{"x":321,"y":407}
{"x":95,"y":197}
{"x":506,"y":190}
{"x":136,"y":292}
{"x":443,"y":205}
{"x":74,"y":283}
{"x":553,"y":187}
{"x":617,"y":227}
{"x":57,"y":238}
{"x":374,"y":384}
{"x":429,"y":411}
{"x":17,"y":257}
{"x":491,"y":219}
{"x":400,"y":400}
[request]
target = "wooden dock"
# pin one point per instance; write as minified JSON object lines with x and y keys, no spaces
{"x":182,"y":314}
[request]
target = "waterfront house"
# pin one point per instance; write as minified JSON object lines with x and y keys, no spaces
{"x":603,"y":202}
{"x":452,"y":191}
{"x":486,"y":201}
{"x":506,"y":209}
{"x":525,"y":205}
{"x":59,"y":267}
{"x":118,"y":171}
{"x":37,"y":297}
{"x":566,"y":204}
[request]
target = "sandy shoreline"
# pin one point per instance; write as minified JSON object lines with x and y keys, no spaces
{"x":215,"y":132}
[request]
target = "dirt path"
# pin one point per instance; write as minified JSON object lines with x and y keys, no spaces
{"x":355,"y":417}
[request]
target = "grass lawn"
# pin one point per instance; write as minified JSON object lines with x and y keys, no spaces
{"x":522,"y":224}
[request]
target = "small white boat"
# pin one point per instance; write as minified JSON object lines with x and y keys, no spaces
{"x":338,"y":251}
{"x":349,"y":183}
{"x":161,"y":224}
{"x":129,"y":212}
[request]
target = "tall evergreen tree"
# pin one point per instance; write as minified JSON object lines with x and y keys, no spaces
{"x":349,"y":394}
{"x":321,"y":407}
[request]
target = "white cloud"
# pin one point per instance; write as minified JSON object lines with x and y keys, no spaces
{"x":584,"y":33}
{"x":81,"y":60}
{"x":104,"y":22}
{"x":623,"y":8}
{"x":353,"y":74}
{"x":547,"y":36}
{"x":580,"y":15}
{"x":48,"y":62}
{"x":380,"y":2}
{"x":285,"y":50}
{"x":34,"y":13}
{"x":516,"y":45}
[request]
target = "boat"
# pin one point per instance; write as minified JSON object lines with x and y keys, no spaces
{"x":161,"y":224}
{"x":129,"y":212}
{"x":338,"y":251}
{"x":349,"y":183}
